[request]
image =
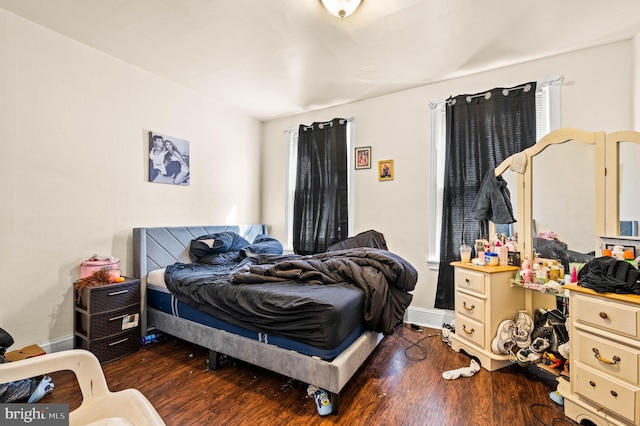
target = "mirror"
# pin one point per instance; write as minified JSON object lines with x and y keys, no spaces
{"x":563,"y":195}
{"x":623,"y":204}
{"x":563,"y":183}
{"x":628,"y":178}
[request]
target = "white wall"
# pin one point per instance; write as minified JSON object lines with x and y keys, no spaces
{"x":73,"y":169}
{"x":596,"y":96}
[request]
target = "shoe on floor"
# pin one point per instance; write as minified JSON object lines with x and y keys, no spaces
{"x":504,"y":341}
{"x":523,"y":329}
{"x":323,"y":403}
{"x":563,"y":350}
{"x":540,"y":344}
{"x":44,"y":387}
{"x":556,"y":397}
{"x":522,"y":357}
{"x":447,"y":329}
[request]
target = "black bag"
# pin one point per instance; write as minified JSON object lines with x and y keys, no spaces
{"x":550,"y":325}
{"x":608,"y":274}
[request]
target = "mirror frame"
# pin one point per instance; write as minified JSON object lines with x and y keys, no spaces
{"x":612,"y":202}
{"x":560,"y":136}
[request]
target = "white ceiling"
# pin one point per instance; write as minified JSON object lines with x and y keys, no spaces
{"x":273,"y":58}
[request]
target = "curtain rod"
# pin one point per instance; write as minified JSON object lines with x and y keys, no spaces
{"x":549,"y":81}
{"x":330,"y":123}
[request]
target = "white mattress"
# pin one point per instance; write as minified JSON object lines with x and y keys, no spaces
{"x":155,"y":278}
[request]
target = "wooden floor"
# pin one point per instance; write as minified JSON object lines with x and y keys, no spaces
{"x":400,"y":384}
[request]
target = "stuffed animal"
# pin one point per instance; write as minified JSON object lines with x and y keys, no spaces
{"x":527,"y":275}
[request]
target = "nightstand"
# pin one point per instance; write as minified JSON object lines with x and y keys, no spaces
{"x":484,"y":297}
{"x":107,"y":320}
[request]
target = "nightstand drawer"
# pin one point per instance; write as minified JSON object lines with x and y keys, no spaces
{"x":613,"y":395}
{"x":108,"y":323}
{"x":110,"y":297}
{"x":470,"y":330}
{"x":607,"y":356}
{"x":615,"y":317}
{"x":111,"y":348}
{"x":469,"y":280}
{"x":470,"y":306}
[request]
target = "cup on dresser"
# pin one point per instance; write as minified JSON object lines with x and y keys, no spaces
{"x":465,"y":253}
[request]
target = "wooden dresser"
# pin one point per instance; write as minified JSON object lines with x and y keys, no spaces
{"x":604,"y":336}
{"x":107,"y":320}
{"x":484,"y":297}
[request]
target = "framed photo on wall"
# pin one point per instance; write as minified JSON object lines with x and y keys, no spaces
{"x":363,"y":157}
{"x":385,"y":170}
{"x":168,"y":160}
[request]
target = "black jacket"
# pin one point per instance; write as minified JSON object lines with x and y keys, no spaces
{"x":493,"y":201}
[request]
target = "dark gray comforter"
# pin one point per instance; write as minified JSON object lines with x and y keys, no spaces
{"x":384,"y":279}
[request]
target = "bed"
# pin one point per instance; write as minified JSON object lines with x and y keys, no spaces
{"x":326,"y":359}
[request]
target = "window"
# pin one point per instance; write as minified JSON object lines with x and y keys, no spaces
{"x":547,"y":119}
{"x":292,"y":155}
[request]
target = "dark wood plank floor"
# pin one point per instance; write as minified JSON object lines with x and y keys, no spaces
{"x":400,"y":384}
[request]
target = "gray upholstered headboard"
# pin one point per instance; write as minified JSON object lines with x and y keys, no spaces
{"x":155,"y":248}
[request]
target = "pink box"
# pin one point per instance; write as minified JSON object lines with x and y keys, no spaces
{"x":88,"y":267}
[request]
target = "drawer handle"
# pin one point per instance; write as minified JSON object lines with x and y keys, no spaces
{"x":466,"y":280}
{"x":614,"y":394}
{"x":464,"y":327}
{"x":592,"y":383}
{"x":464,"y":305}
{"x":118,"y":317}
{"x":603,"y":315}
{"x":596,"y":353}
{"x":117,"y":342}
{"x":115,"y":293}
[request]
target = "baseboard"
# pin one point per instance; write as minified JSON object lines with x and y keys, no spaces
{"x":432,"y":318}
{"x":60,"y":344}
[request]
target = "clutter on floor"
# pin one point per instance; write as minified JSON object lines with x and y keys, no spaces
{"x":322,"y":400}
{"x":29,"y":390}
{"x":469,"y":371}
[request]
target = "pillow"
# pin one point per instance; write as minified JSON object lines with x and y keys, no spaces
{"x":371,"y":238}
{"x":211,"y":244}
{"x":263,"y":244}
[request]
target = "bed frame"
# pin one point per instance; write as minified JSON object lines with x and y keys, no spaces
{"x":155,"y":248}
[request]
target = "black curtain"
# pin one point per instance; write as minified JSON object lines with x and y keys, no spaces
{"x":320,"y":210}
{"x":482,"y":130}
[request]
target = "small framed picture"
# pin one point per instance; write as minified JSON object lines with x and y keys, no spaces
{"x":385,"y":170}
{"x":363,"y":157}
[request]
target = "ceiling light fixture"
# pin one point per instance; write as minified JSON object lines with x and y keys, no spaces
{"x":341,"y":8}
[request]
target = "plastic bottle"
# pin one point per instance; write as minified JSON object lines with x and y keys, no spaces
{"x":618,"y":252}
{"x":150,"y":338}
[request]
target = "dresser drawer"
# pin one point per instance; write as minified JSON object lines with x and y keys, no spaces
{"x":110,"y":297}
{"x":108,"y":323}
{"x":616,"y":317}
{"x":111,"y":348}
{"x":613,"y":395}
{"x":470,"y":306}
{"x":470,"y":330}
{"x":466,"y":279}
{"x":605,"y":355}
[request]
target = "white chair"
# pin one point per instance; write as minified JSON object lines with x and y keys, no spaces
{"x":99,"y":405}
